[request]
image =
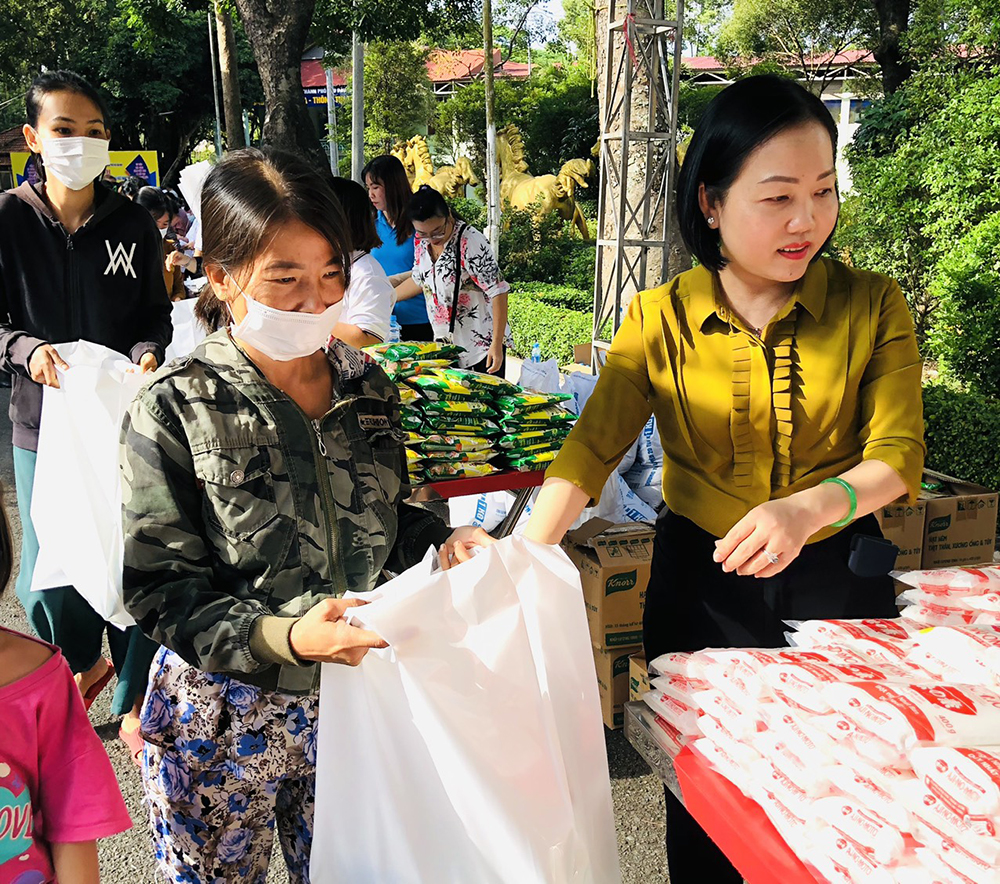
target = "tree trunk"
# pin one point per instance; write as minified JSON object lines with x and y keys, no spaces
{"x":278,"y":39}
{"x":893,"y":20}
{"x":230,"y":78}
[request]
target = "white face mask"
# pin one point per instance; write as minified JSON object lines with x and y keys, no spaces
{"x":77,"y":161}
{"x":163,"y":233}
{"x":284,"y":335}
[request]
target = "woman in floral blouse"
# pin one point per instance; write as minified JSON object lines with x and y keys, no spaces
{"x":466,"y":295}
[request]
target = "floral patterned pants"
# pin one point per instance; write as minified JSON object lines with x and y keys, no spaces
{"x":225,"y":764}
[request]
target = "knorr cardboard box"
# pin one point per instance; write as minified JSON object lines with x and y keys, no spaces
{"x":961,"y":522}
{"x":903,"y":524}
{"x":613,"y":561}
{"x":613,"y":683}
{"x":638,"y":676}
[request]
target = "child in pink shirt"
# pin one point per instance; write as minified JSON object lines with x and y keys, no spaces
{"x":58,"y":793}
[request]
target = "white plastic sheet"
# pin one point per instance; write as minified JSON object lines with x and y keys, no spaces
{"x":188,"y":332}
{"x":76,"y":498}
{"x":472,"y":749}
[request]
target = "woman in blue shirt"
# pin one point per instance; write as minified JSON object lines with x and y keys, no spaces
{"x":390,"y":192}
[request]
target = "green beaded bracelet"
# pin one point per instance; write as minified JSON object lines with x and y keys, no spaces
{"x":851,"y":493}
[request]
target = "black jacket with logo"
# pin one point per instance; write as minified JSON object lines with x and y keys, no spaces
{"x":103,"y":284}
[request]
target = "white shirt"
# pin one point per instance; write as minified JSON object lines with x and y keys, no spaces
{"x":369,"y":298}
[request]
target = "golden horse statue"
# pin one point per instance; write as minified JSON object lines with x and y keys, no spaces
{"x":543,"y":193}
{"x":450,"y":181}
{"x":418,"y":157}
{"x":400,"y":150}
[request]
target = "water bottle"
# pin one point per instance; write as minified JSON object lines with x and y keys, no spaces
{"x":394,"y":330}
{"x":536,"y":352}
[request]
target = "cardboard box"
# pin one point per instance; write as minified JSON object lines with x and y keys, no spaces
{"x":613,"y":683}
{"x":961,"y":523}
{"x":638,"y":676}
{"x":613,"y":561}
{"x":904,"y":525}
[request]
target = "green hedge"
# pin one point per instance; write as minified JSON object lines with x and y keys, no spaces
{"x":557,"y":295}
{"x":557,"y":329}
{"x":544,"y":313}
{"x":962,"y":432}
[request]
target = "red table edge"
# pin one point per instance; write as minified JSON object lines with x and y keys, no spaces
{"x":507,"y":480}
{"x":738,"y":825}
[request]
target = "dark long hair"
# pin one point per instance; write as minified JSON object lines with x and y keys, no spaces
{"x":389,"y":172}
{"x":427,"y":203}
{"x":736,"y":122}
{"x":358,"y":213}
{"x":58,"y":81}
{"x":251,"y":192}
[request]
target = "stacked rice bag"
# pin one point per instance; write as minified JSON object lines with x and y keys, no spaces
{"x":953,"y":596}
{"x":872,"y":745}
{"x":534,"y":426}
{"x":465,"y":424}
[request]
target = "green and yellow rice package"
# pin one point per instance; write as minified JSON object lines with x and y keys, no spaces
{"x":413,"y":438}
{"x":438,"y":442}
{"x":550,"y":445}
{"x":413,"y":350}
{"x":433,"y":457}
{"x":467,"y":425}
{"x":530,"y":401}
{"x":434,"y":386}
{"x":408,"y":396}
{"x":512,"y":441}
{"x":459,"y":409}
{"x":490,"y":384}
{"x":459,"y":471}
{"x":413,"y":458}
{"x":413,"y":421}
{"x":537,"y":420}
{"x":533,"y":461}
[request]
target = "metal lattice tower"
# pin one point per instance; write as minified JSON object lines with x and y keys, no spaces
{"x":638,"y":150}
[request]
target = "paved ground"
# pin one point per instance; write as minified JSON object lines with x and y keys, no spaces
{"x":127,"y":858}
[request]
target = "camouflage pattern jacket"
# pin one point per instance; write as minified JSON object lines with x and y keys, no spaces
{"x":240,"y":513}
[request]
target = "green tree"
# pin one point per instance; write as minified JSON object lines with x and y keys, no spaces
{"x":926,"y":161}
{"x":130,"y":49}
{"x":555,"y":111}
{"x":398,"y":99}
{"x":789,"y":32}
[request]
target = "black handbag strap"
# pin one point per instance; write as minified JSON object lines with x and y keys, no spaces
{"x":458,"y":277}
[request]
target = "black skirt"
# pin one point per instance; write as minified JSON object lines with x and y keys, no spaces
{"x":692,"y":604}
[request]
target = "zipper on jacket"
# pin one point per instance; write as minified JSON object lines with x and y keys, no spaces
{"x":72,"y":289}
{"x":326,"y":492}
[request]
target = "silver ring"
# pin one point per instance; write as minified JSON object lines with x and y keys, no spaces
{"x":771,"y":557}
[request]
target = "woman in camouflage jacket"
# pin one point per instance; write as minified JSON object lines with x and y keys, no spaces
{"x":263,"y":478}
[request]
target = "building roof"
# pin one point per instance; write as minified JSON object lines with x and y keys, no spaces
{"x":314,"y":75}
{"x":443,"y":66}
{"x":847,"y":57}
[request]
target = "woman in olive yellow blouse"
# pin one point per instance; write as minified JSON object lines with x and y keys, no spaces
{"x":786,"y":388}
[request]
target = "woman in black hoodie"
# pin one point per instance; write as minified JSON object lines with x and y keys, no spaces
{"x":77,"y":262}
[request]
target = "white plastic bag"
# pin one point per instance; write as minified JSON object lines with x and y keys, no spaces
{"x":486,"y":510}
{"x":188,"y":332}
{"x":543,"y":377}
{"x":472,"y":749}
{"x":76,"y":498}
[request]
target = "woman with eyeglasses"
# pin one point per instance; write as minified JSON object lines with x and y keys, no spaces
{"x":465,"y":293}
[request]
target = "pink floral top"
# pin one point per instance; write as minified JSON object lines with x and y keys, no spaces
{"x":481,"y":281}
